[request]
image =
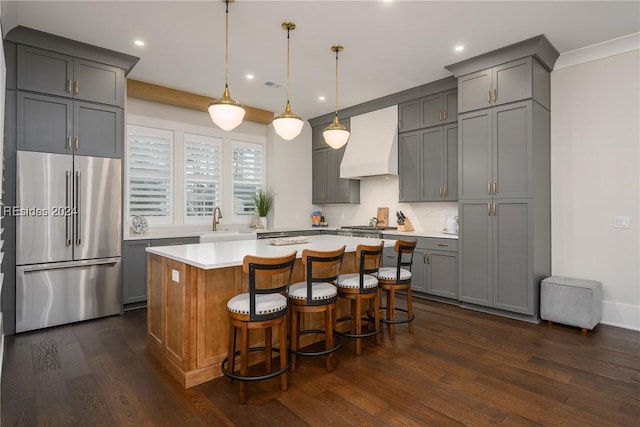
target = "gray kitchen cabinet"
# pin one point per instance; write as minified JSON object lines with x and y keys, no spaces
{"x":442,"y":274}
{"x":134,"y":271}
{"x":496,"y":249}
{"x":419,"y":271}
{"x":58,"y":125}
{"x":134,"y":267}
{"x":509,"y":82}
{"x":44,"y":71}
{"x":432,"y":110}
{"x":327,"y":185}
{"x":496,"y":152}
{"x":428,"y":164}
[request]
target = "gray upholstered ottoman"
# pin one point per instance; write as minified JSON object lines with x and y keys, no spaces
{"x":575,"y":302}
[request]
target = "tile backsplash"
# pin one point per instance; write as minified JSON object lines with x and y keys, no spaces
{"x":382,"y":191}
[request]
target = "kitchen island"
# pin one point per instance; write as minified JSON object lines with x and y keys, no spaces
{"x":188,"y":287}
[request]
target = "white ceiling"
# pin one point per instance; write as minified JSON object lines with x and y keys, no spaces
{"x":388,"y":46}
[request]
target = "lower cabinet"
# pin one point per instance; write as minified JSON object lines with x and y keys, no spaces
{"x":134,"y":267}
{"x":435,"y":265}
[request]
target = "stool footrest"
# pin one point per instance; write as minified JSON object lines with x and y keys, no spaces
{"x":225,"y":371}
{"x":337,"y":345}
{"x":407,"y":320}
{"x":362,"y":335}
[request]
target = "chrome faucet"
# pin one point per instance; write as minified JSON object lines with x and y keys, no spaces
{"x":217,"y":215}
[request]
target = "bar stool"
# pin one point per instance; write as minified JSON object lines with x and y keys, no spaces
{"x":359,"y":287}
{"x":263,"y":307}
{"x":317,"y":294}
{"x":398,"y":278}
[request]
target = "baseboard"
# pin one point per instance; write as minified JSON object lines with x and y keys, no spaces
{"x":625,"y":316}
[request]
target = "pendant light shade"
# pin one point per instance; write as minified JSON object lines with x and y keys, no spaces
{"x":336,"y":135}
{"x":226,"y":112}
{"x":288,"y":125}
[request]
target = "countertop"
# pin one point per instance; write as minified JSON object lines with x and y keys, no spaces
{"x":228,"y":254}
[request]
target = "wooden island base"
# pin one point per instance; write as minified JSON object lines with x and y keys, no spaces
{"x":187,"y":319}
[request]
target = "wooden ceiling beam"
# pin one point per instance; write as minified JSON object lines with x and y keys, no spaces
{"x":178,"y":98}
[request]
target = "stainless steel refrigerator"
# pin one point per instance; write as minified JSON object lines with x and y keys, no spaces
{"x":68,"y":233}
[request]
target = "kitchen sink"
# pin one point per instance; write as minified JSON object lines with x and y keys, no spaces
{"x":226,"y":236}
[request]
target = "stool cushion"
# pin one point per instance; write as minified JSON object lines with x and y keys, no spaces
{"x":389,"y":273}
{"x":574,"y":302}
{"x":319,"y":291}
{"x":269,"y":303}
{"x":353,"y":281}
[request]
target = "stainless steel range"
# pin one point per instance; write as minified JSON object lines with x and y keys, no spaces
{"x":370,"y":231}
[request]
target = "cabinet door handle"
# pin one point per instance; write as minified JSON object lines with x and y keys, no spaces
{"x":428,"y":258}
{"x":488,"y":209}
{"x":76,"y":87}
{"x":489,"y":188}
{"x":495,"y":95}
{"x":68,"y":143}
{"x":69,"y":86}
{"x":495,"y":208}
{"x":495,"y":187}
{"x":446,"y":114}
{"x":489,"y":97}
{"x":424,"y":258}
{"x":76,"y":143}
{"x":446,"y":190}
{"x":444,"y":245}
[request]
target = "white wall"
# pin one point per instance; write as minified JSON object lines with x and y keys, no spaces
{"x":595,"y":163}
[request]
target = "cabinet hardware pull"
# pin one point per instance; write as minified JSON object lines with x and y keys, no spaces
{"x":443,"y":244}
{"x":489,"y":97}
{"x":446,"y":114}
{"x":68,"y":143}
{"x":68,"y":86}
{"x":446,"y":190}
{"x":424,"y":258}
{"x":494,"y":95}
{"x":488,"y":209}
{"x":77,"y":87}
{"x":76,"y":143}
{"x":489,"y":188}
{"x":495,"y":208}
{"x":495,"y":187}
{"x":67,"y":228}
{"x":428,"y":258}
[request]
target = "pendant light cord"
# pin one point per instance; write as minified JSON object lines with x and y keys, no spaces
{"x":337,"y":51}
{"x":226,"y":46}
{"x":288,"y":53}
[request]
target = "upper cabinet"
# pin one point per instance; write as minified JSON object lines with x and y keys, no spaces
{"x":505,"y":83}
{"x":432,"y":110}
{"x":327,"y":186}
{"x":52,"y":73}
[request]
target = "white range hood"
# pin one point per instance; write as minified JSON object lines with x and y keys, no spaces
{"x":373,"y":146}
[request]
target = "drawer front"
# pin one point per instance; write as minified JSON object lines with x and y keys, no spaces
{"x":435,"y":244}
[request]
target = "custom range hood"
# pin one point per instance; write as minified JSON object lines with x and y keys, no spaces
{"x":373,"y":147}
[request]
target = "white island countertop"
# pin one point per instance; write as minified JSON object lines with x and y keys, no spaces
{"x":229,"y":254}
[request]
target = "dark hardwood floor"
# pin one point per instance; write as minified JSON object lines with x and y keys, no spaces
{"x":460,"y":367}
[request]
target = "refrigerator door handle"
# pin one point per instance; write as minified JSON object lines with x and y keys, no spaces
{"x":78,"y":211}
{"x":72,"y":264}
{"x":67,"y":225}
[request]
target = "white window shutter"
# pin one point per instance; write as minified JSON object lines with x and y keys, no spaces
{"x":203,"y":174}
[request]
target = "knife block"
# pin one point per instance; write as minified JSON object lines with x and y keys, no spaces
{"x":407,"y":226}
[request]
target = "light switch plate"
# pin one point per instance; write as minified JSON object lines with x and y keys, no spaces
{"x":175,"y":276}
{"x":621,"y":222}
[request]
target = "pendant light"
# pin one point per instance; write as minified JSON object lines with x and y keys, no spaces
{"x":288,"y":125}
{"x":335,"y":134}
{"x":226,"y":112}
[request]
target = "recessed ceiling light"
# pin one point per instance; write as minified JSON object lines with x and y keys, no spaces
{"x":459,"y":48}
{"x":139,"y":42}
{"x":250,"y":76}
{"x":321,"y":98}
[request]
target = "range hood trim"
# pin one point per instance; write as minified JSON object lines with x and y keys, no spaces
{"x":372,"y":149}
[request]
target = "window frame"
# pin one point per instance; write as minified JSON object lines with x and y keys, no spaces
{"x":179,"y":218}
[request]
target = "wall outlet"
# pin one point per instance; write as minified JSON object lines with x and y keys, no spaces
{"x":620,"y":222}
{"x":175,"y":276}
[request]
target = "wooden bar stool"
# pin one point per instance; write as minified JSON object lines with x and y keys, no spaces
{"x":263,"y":307}
{"x":359,"y":287}
{"x":398,"y":278}
{"x":317,"y":294}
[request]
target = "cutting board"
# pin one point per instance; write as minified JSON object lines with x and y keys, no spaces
{"x":383,"y":217}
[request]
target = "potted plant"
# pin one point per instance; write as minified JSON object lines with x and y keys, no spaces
{"x":263,"y":200}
